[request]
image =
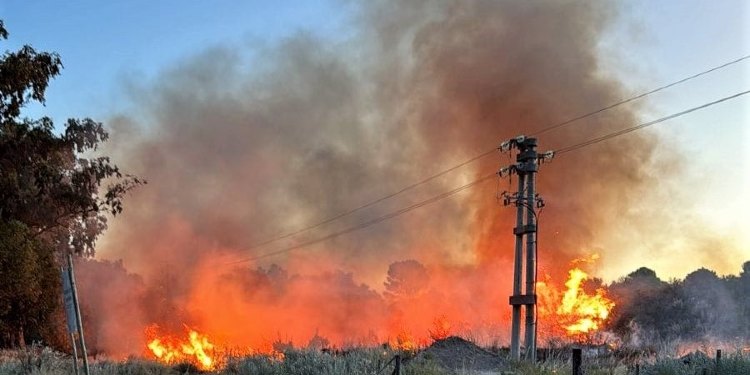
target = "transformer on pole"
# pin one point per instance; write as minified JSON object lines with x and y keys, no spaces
{"x":526,"y":201}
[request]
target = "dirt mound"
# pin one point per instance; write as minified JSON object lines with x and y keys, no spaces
{"x":456,"y":354}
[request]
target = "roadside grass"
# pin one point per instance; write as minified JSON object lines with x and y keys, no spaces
{"x":366,"y":361}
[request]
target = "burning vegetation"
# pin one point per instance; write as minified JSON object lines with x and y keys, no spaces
{"x":234,"y":246}
{"x":195,"y":348}
{"x":235,"y":158}
{"x":576,"y":309}
{"x":587,"y":312}
{"x":577,"y":313}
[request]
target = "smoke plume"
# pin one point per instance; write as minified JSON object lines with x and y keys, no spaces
{"x":240,"y":149}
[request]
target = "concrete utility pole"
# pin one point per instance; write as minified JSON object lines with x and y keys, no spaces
{"x":526,"y":202}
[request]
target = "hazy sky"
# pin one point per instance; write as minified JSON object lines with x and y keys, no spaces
{"x":106,"y":45}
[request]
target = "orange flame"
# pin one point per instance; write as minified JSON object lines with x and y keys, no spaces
{"x":196,"y":349}
{"x":582,"y":312}
{"x":441,"y":328}
{"x":405,"y":341}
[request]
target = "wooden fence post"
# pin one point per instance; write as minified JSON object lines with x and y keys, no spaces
{"x":397,"y":367}
{"x":718,"y":361}
{"x":577,"y":361}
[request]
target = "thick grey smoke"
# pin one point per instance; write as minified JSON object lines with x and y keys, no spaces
{"x":237,"y":150}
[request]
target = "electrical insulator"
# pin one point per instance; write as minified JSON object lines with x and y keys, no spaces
{"x":507,"y":145}
{"x":505,"y":171}
{"x":547,"y":156}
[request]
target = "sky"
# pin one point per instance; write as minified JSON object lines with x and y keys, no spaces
{"x":669,"y":40}
{"x":106,"y":46}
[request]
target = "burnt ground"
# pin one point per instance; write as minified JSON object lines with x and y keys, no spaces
{"x":458,"y":355}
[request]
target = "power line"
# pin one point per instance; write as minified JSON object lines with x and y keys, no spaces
{"x":482,"y":179}
{"x":366,"y":224}
{"x":482,"y":155}
{"x":646,"y":124}
{"x":639,"y":96}
{"x":370,"y":204}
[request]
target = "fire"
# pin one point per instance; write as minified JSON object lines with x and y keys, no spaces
{"x":441,"y":328}
{"x":582,"y":312}
{"x":405,"y":341}
{"x":197,"y":349}
{"x":568,"y":310}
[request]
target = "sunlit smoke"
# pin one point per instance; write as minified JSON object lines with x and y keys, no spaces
{"x":238,"y":150}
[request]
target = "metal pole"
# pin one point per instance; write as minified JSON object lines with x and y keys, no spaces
{"x":79,"y":322}
{"x":577,"y":361}
{"x":75,"y":352}
{"x":530,"y":340}
{"x":515,"y":331}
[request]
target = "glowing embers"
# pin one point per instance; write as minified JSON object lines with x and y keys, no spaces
{"x":581,"y":312}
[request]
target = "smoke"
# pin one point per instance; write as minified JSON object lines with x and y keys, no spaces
{"x":111,"y":307}
{"x":239,"y":149}
{"x":682,"y":313}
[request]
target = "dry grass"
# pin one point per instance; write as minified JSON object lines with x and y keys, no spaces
{"x":43,"y":361}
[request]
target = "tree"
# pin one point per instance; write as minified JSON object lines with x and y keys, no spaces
{"x":741,"y":290}
{"x":406,"y":279}
{"x":630,"y":292}
{"x":54,"y":195}
{"x":711,"y":300}
{"x":29,"y":277}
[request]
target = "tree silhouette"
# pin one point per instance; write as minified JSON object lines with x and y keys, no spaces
{"x":53,"y":200}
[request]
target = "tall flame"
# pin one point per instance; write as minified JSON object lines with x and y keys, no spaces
{"x":585,"y":312}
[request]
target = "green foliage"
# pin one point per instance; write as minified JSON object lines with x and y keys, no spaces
{"x":735,"y":364}
{"x":36,"y":360}
{"x":30,"y":287}
{"x":24,"y":76}
{"x":54,"y":196}
{"x":309,"y":362}
{"x":550,"y":366}
{"x":45,"y":182}
{"x":424,"y":368}
{"x":132,"y":367}
{"x":702,"y":306}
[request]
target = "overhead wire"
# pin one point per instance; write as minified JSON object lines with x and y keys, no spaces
{"x":639,"y":96}
{"x":644,"y":125}
{"x":482,"y":155}
{"x":468,"y":185}
{"x":371,"y":222}
{"x":369,"y":204}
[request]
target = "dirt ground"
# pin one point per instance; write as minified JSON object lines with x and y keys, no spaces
{"x":458,"y":355}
